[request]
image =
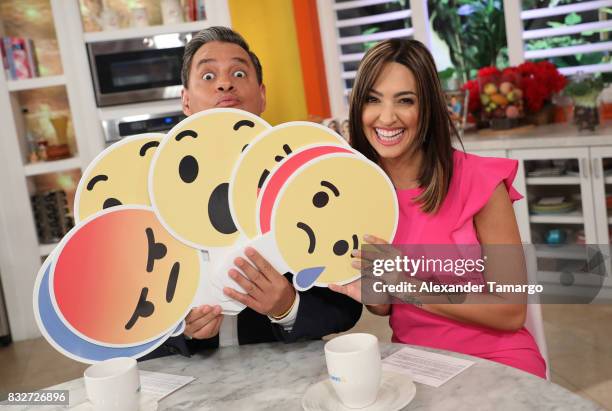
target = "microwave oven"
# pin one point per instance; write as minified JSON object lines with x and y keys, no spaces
{"x":138,"y":69}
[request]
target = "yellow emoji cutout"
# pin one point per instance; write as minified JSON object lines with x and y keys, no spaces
{"x":318,"y":205}
{"x":258,"y":160}
{"x":121,"y":279}
{"x":117,"y":176}
{"x":190,"y":174}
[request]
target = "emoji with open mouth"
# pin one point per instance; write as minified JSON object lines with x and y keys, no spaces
{"x":318,"y":205}
{"x":121,"y":279}
{"x":190,"y":173}
{"x":118,"y":175}
{"x":260,"y":158}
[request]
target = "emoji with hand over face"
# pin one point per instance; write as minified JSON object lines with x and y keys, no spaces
{"x":121,"y":279}
{"x":318,"y":205}
{"x":190,"y":174}
{"x":118,"y":175}
{"x":260,"y":158}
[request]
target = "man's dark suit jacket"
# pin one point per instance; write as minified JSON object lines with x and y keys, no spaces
{"x":321,"y":312}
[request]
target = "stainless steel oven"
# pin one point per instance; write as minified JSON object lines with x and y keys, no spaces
{"x":138,"y":69}
{"x":117,"y":128}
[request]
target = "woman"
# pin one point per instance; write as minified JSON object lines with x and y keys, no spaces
{"x":399,"y":119}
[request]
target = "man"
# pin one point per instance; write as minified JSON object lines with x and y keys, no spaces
{"x":219,"y":70}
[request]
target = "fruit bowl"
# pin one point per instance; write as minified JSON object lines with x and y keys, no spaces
{"x":502,"y":100}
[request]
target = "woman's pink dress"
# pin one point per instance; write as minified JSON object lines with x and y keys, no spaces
{"x":473,"y":182}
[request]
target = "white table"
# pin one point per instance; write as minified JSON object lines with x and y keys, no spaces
{"x":275,"y":376}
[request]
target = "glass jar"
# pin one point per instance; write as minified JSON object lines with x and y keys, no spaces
{"x":584,"y":90}
{"x":501,"y":97}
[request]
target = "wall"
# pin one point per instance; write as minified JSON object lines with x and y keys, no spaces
{"x":269,"y":28}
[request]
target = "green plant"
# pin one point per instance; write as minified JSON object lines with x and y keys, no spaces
{"x":564,"y":41}
{"x":585,"y":89}
{"x":474,"y":31}
{"x":571,"y":19}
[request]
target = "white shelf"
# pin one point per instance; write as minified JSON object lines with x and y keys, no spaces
{"x":131,"y":33}
{"x":46,"y":249}
{"x":608,"y":179}
{"x":564,"y":180}
{"x":45,"y":167}
{"x":38,"y":82}
{"x":574,"y":217}
{"x":138,"y":109}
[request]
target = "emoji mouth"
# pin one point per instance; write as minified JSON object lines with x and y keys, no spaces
{"x":219,"y":210}
{"x":144,"y":308}
{"x":341,"y":247}
{"x":312,"y":240}
{"x":111,"y":202}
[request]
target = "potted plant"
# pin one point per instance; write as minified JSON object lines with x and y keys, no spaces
{"x":584,"y":90}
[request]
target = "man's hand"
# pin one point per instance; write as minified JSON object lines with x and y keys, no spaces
{"x":203,"y":322}
{"x":267,"y":291}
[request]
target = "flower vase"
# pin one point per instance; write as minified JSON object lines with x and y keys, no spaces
{"x":586,"y":117}
{"x":584,"y":90}
{"x":544,"y":116}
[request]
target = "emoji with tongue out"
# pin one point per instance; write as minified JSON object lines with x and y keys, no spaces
{"x":190,"y":173}
{"x":260,"y":158}
{"x":317,"y":206}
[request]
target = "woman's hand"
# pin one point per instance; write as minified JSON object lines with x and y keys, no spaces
{"x":352,"y":290}
{"x":360,"y":262}
{"x":364,"y":261}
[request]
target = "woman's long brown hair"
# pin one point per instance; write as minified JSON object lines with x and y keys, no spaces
{"x":435,"y":126}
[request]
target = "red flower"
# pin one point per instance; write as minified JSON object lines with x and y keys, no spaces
{"x":511,"y":74}
{"x":539,"y":81}
{"x":474,"y":96}
{"x":488,"y":71}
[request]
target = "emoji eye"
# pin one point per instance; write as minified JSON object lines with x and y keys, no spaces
{"x":188,"y":169}
{"x":340,"y":247}
{"x":110,"y":202}
{"x":240,"y":74}
{"x":208,"y":76}
{"x":320,"y":199}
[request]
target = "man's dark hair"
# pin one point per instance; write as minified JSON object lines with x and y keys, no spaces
{"x":216,"y":33}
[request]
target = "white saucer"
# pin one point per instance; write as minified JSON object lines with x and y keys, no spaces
{"x":396,"y":391}
{"x":148,"y":402}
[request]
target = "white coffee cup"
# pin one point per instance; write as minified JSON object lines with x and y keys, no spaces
{"x":353,"y":363}
{"x":113,"y":385}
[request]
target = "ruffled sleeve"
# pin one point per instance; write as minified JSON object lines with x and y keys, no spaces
{"x":479,"y":176}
